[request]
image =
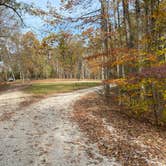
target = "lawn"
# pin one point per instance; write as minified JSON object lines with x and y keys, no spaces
{"x":49,"y":88}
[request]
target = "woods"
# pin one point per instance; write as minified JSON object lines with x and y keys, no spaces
{"x":121,"y":42}
{"x":135,"y":59}
{"x":56,"y":56}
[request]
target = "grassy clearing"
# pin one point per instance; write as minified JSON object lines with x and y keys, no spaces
{"x":49,"y":88}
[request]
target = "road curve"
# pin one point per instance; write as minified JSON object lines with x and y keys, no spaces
{"x":42,"y":134}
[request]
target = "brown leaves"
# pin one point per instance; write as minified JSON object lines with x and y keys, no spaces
{"x":118,"y":136}
{"x":88,"y":31}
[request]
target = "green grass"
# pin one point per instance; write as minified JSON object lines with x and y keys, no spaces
{"x":49,"y":88}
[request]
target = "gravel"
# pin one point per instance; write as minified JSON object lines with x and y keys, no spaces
{"x":42,"y":134}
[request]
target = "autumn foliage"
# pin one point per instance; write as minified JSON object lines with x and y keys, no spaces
{"x":135,"y":59}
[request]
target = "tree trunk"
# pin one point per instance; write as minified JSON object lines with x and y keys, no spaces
{"x":127,"y":23}
{"x":138,"y":24}
{"x":105,"y":31}
{"x":155,"y":103}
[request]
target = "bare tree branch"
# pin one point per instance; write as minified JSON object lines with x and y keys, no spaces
{"x":12,"y":8}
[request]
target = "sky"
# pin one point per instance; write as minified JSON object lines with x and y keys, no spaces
{"x":34,"y":23}
{"x":38,"y":26}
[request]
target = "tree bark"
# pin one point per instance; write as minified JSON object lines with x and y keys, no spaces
{"x":105,"y":27}
{"x":127,"y":23}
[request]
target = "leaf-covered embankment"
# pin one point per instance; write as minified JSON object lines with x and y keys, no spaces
{"x":129,"y":141}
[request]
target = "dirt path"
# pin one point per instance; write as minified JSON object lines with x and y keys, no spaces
{"x":42,"y":133}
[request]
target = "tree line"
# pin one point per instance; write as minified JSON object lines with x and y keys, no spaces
{"x":127,"y":41}
{"x":55,"y":56}
{"x":134,"y":55}
{"x":121,"y":42}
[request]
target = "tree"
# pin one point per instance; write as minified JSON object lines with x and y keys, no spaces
{"x":92,"y":17}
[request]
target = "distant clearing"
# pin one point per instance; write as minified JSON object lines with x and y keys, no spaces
{"x":49,"y":86}
{"x":42,"y":88}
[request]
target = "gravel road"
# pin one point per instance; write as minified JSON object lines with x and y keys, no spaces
{"x":42,"y":133}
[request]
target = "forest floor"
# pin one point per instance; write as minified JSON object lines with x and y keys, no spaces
{"x":128,"y":140}
{"x":73,"y":129}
